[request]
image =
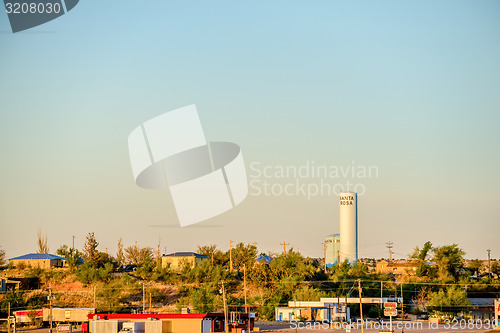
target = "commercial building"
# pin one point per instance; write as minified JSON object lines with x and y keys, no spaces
{"x":332,"y":250}
{"x":172,"y":323}
{"x":177,"y":259}
{"x":327,"y":308}
{"x":482,"y":308}
{"x":348,"y":226}
{"x":40,"y":260}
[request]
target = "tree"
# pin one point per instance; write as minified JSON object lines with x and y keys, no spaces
{"x":450,"y":261}
{"x":204,"y":299}
{"x":475,"y":266}
{"x":495,"y":268}
{"x":448,"y":302}
{"x":120,"y":256}
{"x":420,"y":255}
{"x":217,"y":256}
{"x":244,"y":255}
{"x":66,"y":251}
{"x":73,"y":259}
{"x":307,"y":293}
{"x":43,"y":246}
{"x":421,"y":299}
{"x":91,"y":254}
{"x":138,"y":256}
{"x":2,"y":258}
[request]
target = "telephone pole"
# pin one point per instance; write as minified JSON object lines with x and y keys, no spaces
{"x":360,"y":305}
{"x":389,"y":246}
{"x":402,"y":301}
{"x":50,"y":310}
{"x":245,"y":283}
{"x":324,"y":256}
{"x":284,"y":246}
{"x":230,"y":255}
{"x":73,"y":248}
{"x":489,"y":262}
{"x":143,"y":298}
{"x":381,"y":296}
{"x":158,"y":253}
{"x":8,"y":318}
{"x":225,"y":308}
{"x":245,"y":290}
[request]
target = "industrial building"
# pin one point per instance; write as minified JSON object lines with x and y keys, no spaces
{"x":40,"y":260}
{"x":332,"y":250}
{"x":171,"y":323}
{"x":177,"y":259}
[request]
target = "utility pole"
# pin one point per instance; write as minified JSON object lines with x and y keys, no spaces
{"x":73,"y":248}
{"x":143,"y":298}
{"x":389,"y":246}
{"x":225,"y":308}
{"x":324,"y":256}
{"x":245,"y":283}
{"x":361,"y":305}
{"x":158,"y":254}
{"x":230,"y":255}
{"x":489,"y":263}
{"x":338,"y":308}
{"x":149,"y":302}
{"x":50,"y":310}
{"x":402,"y":301}
{"x":381,"y":296}
{"x":284,"y":247}
{"x":8,"y":317}
{"x":95,"y":307}
{"x":245,"y":290}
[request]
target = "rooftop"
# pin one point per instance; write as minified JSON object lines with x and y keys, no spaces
{"x":185,"y":254}
{"x":38,"y":256}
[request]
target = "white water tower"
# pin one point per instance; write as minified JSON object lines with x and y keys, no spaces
{"x":348,"y":227}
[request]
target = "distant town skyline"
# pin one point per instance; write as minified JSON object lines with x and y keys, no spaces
{"x":409,"y":88}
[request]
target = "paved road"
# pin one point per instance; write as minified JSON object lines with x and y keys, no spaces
{"x":411,"y":327}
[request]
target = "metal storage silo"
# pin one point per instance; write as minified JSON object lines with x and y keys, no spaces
{"x":348,"y":227}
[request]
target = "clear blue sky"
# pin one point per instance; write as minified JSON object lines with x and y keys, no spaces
{"x":409,"y":86}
